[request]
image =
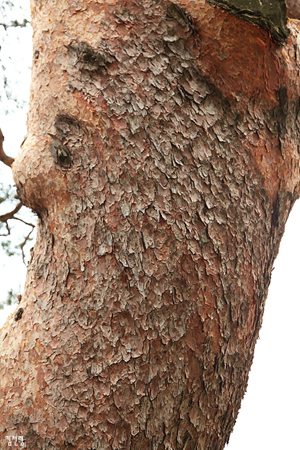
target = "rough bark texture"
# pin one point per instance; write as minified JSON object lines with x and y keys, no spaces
{"x":270,"y":14}
{"x":293,"y":9}
{"x":162,"y":158}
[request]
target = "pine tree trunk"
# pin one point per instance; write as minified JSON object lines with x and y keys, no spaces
{"x":162,"y":159}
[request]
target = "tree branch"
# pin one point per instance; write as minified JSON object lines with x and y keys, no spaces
{"x":26,"y":239}
{"x":10,"y":215}
{"x":15,"y":23}
{"x":3,"y":157}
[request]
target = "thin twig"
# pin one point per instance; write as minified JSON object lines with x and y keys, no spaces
{"x":8,"y":230}
{"x":3,"y":157}
{"x":26,"y":223}
{"x":24,"y":243}
{"x":10,"y":215}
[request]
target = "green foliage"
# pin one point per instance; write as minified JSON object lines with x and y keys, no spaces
{"x":14,"y":18}
{"x":8,"y":202}
{"x":15,"y":23}
{"x":16,"y":225}
{"x":14,"y":30}
{"x":7,"y":247}
{"x":11,"y":298}
{"x":4,"y":4}
{"x":6,"y":193}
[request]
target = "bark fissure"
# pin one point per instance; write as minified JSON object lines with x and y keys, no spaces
{"x":147,"y":284}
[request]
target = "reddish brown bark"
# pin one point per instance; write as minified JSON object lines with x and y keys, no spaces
{"x":162,"y":158}
{"x":293,"y":9}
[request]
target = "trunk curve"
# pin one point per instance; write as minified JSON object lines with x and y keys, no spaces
{"x":162,"y":159}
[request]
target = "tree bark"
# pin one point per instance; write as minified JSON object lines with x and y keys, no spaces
{"x":293,"y":9}
{"x":162,"y":158}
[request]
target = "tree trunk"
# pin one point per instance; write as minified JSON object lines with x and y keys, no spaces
{"x":162,"y":159}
